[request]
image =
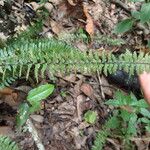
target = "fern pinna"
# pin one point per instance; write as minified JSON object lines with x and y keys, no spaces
{"x":37,"y":56}
{"x":7,"y":144}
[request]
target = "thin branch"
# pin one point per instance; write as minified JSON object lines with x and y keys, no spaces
{"x":34,"y":134}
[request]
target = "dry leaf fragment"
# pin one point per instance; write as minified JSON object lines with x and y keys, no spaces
{"x":6,"y":131}
{"x":11,"y":100}
{"x":71,"y":2}
{"x":89,"y":21}
{"x":87,"y":89}
{"x":6,"y":91}
{"x":56,"y":27}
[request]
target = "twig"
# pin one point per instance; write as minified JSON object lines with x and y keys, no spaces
{"x":100,"y":84}
{"x":34,"y":134}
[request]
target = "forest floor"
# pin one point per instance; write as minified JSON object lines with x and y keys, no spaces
{"x":61,"y":124}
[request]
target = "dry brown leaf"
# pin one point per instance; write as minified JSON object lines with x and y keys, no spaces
{"x":37,"y":118}
{"x":56,"y":27}
{"x":9,"y":96}
{"x":87,"y":90}
{"x":48,"y":6}
{"x":6,"y":91}
{"x":89,"y":21}
{"x":6,"y":131}
{"x":70,"y":78}
{"x":12,"y":99}
{"x":35,"y":5}
{"x":71,"y":2}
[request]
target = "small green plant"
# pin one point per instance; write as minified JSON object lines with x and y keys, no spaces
{"x":90,"y":117}
{"x":34,"y":99}
{"x":130,"y":113}
{"x":7,"y":144}
{"x":141,"y":16}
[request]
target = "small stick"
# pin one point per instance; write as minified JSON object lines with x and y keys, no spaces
{"x":34,"y":134}
{"x":100,"y":84}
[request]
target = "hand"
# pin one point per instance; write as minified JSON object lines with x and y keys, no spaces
{"x":145,"y":85}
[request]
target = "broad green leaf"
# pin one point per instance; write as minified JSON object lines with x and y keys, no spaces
{"x":124,"y":26}
{"x":40,"y":93}
{"x":90,"y":117}
{"x":35,"y":107}
{"x":136,"y":14}
{"x":22,"y":115}
{"x":145,"y":12}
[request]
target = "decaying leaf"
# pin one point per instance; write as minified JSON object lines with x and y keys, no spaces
{"x":89,"y":21}
{"x":6,"y":131}
{"x":87,"y":89}
{"x":71,"y":2}
{"x":56,"y":27}
{"x":6,"y":91}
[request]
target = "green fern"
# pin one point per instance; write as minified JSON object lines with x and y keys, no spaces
{"x":103,"y":134}
{"x":7,"y":144}
{"x":37,"y":56}
{"x":100,"y":139}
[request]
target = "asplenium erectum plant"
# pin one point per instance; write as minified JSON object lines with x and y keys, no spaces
{"x":37,"y":56}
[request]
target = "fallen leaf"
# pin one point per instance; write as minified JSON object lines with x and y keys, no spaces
{"x":71,"y":78}
{"x":6,"y":131}
{"x":56,"y":27}
{"x":89,"y":21}
{"x":48,"y":6}
{"x":35,"y":5}
{"x":6,"y":91}
{"x":87,"y":89}
{"x":11,"y":100}
{"x":71,"y":2}
{"x":37,"y":118}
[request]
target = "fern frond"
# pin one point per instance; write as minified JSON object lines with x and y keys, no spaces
{"x":100,"y":139}
{"x":7,"y":144}
{"x":40,"y":55}
{"x":103,"y":134}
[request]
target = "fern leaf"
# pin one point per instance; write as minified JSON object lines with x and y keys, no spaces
{"x":56,"y":56}
{"x":100,"y":140}
{"x":7,"y":144}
